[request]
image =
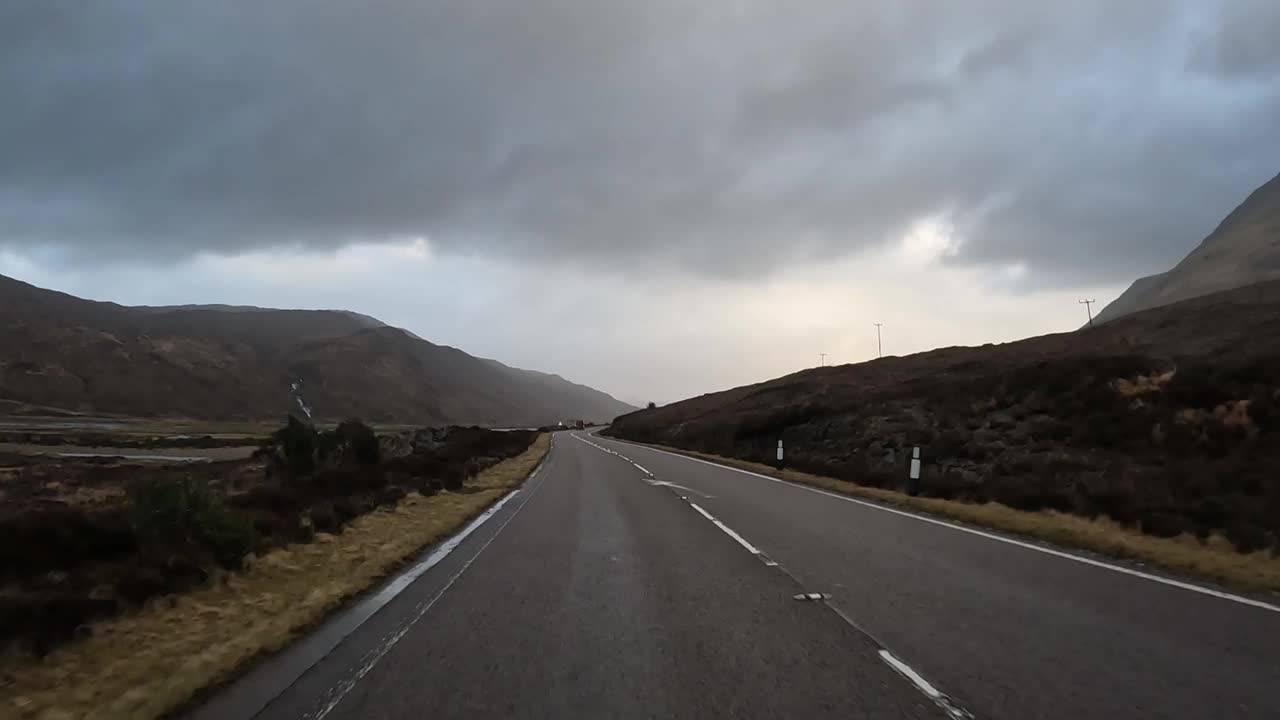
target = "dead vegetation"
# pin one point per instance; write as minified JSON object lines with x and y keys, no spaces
{"x":146,"y":662}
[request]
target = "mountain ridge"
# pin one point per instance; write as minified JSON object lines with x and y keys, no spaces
{"x":1243,"y":249}
{"x":232,"y":362}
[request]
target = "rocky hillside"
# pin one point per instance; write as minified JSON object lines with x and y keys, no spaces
{"x":1244,"y":249}
{"x":1168,"y":418}
{"x":222,"y":363}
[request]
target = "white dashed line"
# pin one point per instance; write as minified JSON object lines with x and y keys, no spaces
{"x":944,"y":702}
{"x":704,"y":513}
{"x":990,"y":536}
{"x":941,"y":700}
{"x":727,"y":530}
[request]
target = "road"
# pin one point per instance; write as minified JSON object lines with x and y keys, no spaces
{"x":622,"y":581}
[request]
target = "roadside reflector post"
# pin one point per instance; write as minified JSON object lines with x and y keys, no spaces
{"x":913,"y":482}
{"x":779,"y":454}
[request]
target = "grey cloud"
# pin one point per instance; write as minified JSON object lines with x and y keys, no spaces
{"x":1242,"y":43}
{"x":1082,"y":140}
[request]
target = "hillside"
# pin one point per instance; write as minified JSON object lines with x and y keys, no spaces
{"x":1168,"y":418}
{"x":1244,"y":249}
{"x":223,"y":362}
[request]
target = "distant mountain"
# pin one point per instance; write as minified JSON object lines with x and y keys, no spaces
{"x":225,"y":362}
{"x":1244,"y":249}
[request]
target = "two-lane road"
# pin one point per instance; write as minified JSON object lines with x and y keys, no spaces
{"x":626,"y":582}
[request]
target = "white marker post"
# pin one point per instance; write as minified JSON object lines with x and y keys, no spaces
{"x":779,"y":453}
{"x":913,"y":487}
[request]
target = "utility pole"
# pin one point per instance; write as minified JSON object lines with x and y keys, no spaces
{"x":879,"y":344}
{"x":1088,"y":306}
{"x":822,"y":359}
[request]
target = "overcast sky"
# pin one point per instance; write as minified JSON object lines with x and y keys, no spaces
{"x":657,"y":198}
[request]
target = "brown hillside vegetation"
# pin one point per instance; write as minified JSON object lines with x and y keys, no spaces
{"x":229,"y":363}
{"x":1167,"y":419}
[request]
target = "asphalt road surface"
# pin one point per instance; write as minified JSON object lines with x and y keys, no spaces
{"x":625,"y":582}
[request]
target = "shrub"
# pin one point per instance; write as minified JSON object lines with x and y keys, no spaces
{"x":44,"y":620}
{"x":325,"y":519}
{"x":453,"y":479}
{"x":1263,"y":408}
{"x":355,"y":442}
{"x":188,"y":514}
{"x":1165,"y":524}
{"x":298,"y":443}
{"x":60,"y":538}
{"x":1247,"y":537}
{"x":391,"y":495}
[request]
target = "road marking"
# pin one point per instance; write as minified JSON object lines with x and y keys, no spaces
{"x":704,"y":513}
{"x":638,"y":466}
{"x":944,"y":702}
{"x":741,"y":541}
{"x":990,"y":536}
{"x":338,"y":692}
{"x":941,"y":700}
{"x":664,"y":483}
{"x":727,"y":530}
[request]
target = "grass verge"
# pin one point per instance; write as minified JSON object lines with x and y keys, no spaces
{"x":145,"y":664}
{"x":1214,"y":559}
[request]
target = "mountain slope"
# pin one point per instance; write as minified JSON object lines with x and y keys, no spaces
{"x":1244,"y":249}
{"x":1168,"y":418}
{"x":223,"y":362}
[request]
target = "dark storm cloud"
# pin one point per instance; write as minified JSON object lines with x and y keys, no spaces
{"x":1086,"y":141}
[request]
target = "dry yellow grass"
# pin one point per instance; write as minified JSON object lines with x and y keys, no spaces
{"x":1215,"y":560}
{"x":144,"y":664}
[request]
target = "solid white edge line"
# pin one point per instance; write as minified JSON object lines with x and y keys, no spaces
{"x":371,"y":659}
{"x":1019,"y":543}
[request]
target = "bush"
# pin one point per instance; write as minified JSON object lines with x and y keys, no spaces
{"x":44,"y":620}
{"x":1248,"y":538}
{"x":1165,"y":525}
{"x":298,"y":443}
{"x":353,"y":442}
{"x":391,"y":495}
{"x":36,"y":542}
{"x":453,"y":479}
{"x":1263,"y":409}
{"x":325,"y":519}
{"x":188,"y":514}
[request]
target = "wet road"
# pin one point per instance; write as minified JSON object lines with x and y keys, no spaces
{"x":621,"y":581}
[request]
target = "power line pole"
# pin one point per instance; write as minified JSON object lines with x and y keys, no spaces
{"x":1088,"y":306}
{"x":822,"y":359}
{"x":879,"y":344}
